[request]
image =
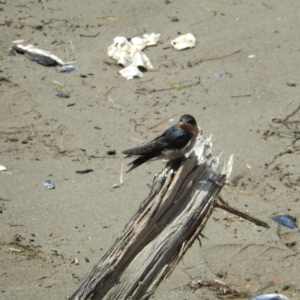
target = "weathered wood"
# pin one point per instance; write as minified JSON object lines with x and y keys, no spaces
{"x":164,"y":227}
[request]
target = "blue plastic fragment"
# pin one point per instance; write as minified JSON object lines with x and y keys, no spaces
{"x":270,"y":297}
{"x":49,"y":185}
{"x":63,"y":95}
{"x":67,"y":69}
{"x":286,"y":221}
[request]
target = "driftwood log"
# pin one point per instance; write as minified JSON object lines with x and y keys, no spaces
{"x":168,"y":221}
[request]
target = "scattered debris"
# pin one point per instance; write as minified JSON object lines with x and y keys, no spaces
{"x":2,"y":168}
{"x":286,"y":221}
{"x":89,"y":35}
{"x":67,"y":69}
{"x":131,"y":72}
{"x":128,"y":53}
{"x":184,"y":41}
{"x":290,"y":130}
{"x":40,"y":56}
{"x":14,"y":250}
{"x":117,"y":185}
{"x":177,"y":85}
{"x":63,"y":95}
{"x":111,"y":152}
{"x":49,"y":185}
{"x":84,"y":171}
{"x":219,"y":288}
{"x":241,"y":96}
{"x":75,"y":261}
{"x":289,"y":83}
{"x":270,"y":297}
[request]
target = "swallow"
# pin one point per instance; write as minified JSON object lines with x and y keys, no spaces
{"x":175,"y":142}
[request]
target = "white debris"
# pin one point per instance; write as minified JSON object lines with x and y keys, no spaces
{"x":49,"y":185}
{"x":270,"y":297}
{"x":120,"y":51}
{"x":151,"y":39}
{"x":131,"y":72}
{"x":146,"y":41}
{"x":67,"y":69}
{"x":184,"y":41}
{"x":128,"y":52}
{"x":32,"y":49}
{"x":2,"y":168}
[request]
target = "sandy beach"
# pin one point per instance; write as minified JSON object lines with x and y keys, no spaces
{"x":242,"y":73}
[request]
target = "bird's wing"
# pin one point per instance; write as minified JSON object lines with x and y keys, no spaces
{"x":170,"y":139}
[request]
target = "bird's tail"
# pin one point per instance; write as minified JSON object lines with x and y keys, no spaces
{"x":139,"y":161}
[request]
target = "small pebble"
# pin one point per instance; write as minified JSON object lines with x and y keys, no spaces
{"x":291,"y":83}
{"x":84,"y":171}
{"x":111,"y":152}
{"x":67,"y":69}
{"x":174,"y":19}
{"x":87,"y":260}
{"x":270,"y":297}
{"x":218,"y":75}
{"x":286,"y":221}
{"x":63,"y":95}
{"x":49,"y":185}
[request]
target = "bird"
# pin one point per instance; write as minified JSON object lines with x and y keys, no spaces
{"x":175,"y":142}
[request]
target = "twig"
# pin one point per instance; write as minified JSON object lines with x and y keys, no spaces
{"x":89,"y":35}
{"x":216,"y":58}
{"x":145,"y":91}
{"x":228,"y":208}
{"x":241,"y":96}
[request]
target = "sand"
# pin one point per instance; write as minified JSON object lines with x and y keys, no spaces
{"x":242,"y":73}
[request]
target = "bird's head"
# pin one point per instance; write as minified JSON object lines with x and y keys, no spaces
{"x":188,"y":123}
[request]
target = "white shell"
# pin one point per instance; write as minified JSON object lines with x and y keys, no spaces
{"x":146,"y":41}
{"x":151,"y":39}
{"x":138,"y":42}
{"x":120,"y":51}
{"x":33,"y":49}
{"x":129,"y":53}
{"x":131,"y":72}
{"x":2,"y":168}
{"x":140,"y":59}
{"x":184,"y":41}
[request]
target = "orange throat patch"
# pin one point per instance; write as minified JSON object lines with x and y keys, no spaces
{"x":187,"y":127}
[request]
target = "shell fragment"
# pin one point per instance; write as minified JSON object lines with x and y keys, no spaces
{"x":128,"y":52}
{"x":184,"y":41}
{"x":131,"y":72}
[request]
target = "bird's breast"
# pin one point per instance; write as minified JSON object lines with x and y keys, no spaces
{"x":176,"y":153}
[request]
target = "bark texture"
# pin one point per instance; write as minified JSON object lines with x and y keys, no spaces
{"x":164,"y":227}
